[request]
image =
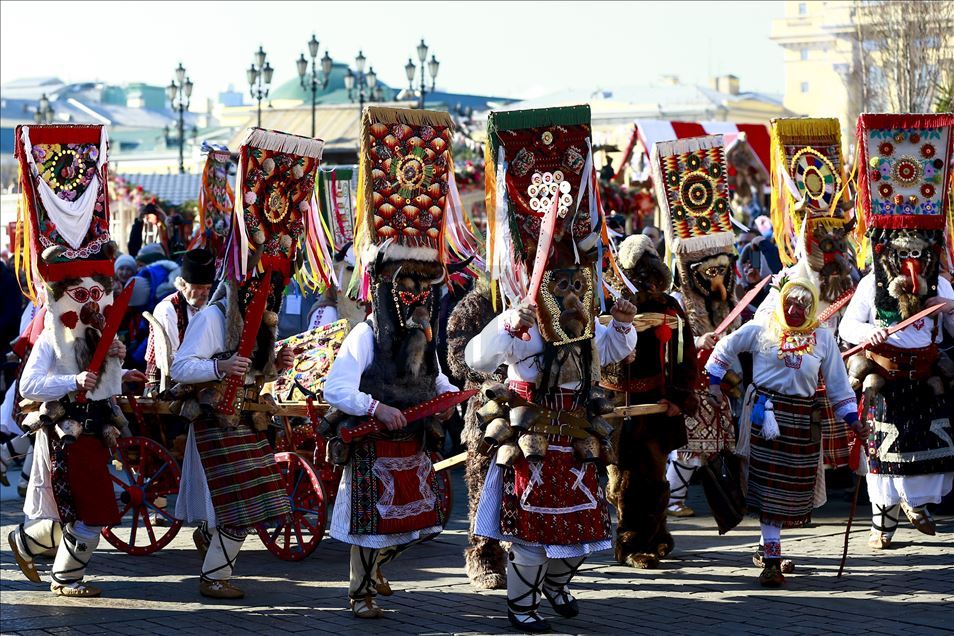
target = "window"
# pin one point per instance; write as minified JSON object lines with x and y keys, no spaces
{"x":802,"y":8}
{"x":804,"y":54}
{"x":804,"y":87}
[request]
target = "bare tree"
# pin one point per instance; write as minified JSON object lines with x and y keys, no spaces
{"x":904,"y":52}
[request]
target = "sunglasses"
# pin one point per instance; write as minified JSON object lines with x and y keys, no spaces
{"x":84,"y":294}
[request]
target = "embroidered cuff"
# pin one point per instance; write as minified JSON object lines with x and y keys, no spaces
{"x":372,"y":407}
{"x":851,"y":417}
{"x":845,"y":407}
{"x":622,"y":327}
{"x":773,"y":549}
{"x":714,"y":379}
{"x":215,"y":368}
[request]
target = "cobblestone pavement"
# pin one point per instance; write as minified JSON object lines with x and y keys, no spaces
{"x":707,"y":586}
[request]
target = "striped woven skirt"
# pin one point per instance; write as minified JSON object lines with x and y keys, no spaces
{"x":782,"y":471}
{"x":834,"y":432}
{"x":244,"y":482}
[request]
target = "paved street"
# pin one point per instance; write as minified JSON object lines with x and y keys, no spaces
{"x":708,"y":587}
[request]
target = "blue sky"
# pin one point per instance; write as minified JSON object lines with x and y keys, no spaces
{"x":522,"y":49}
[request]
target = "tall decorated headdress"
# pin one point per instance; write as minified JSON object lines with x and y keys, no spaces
{"x":216,"y":201}
{"x":811,"y":216}
{"x":337,"y":194}
{"x":64,"y":206}
{"x":64,"y":242}
{"x":693,"y":193}
{"x":275,"y":232}
{"x":408,"y":205}
{"x":544,"y":217}
{"x":904,"y":194}
{"x":276,"y":216}
{"x":808,"y":183}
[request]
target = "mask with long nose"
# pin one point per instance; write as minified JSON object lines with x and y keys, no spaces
{"x":906,"y":267}
{"x":828,"y":255}
{"x":711,"y":278}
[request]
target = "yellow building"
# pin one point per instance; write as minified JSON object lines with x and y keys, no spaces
{"x":823,"y":58}
{"x":820,"y":43}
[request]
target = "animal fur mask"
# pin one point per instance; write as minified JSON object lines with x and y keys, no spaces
{"x":906,"y":266}
{"x":707,"y":281}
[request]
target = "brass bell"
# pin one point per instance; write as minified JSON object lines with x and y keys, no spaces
{"x":495,"y":391}
{"x":609,"y":455}
{"x":498,"y":432}
{"x":68,"y":430}
{"x":600,"y":406}
{"x":489,"y":412}
{"x":600,"y":427}
{"x":523,"y":417}
{"x":507,"y":455}
{"x":533,"y":445}
{"x":53,"y":409}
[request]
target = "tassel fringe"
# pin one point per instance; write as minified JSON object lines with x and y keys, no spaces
{"x":284,"y":142}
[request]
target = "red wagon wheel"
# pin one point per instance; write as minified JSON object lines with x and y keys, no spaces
{"x":297,"y":539}
{"x":145,"y":471}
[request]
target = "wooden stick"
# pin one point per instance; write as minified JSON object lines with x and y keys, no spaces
{"x":896,"y":328}
{"x":450,"y":462}
{"x":637,"y":409}
{"x":851,"y":516}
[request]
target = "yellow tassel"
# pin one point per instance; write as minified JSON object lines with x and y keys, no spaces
{"x":786,"y":222}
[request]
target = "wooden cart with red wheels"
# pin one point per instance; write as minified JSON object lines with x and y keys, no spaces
{"x":145,"y":474}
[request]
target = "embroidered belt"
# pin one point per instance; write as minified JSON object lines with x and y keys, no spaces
{"x":795,"y":404}
{"x":895,"y":363}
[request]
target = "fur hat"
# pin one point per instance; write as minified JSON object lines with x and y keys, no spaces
{"x":633,"y":248}
{"x":198,"y":267}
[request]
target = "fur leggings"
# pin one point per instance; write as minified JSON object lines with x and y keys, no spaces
{"x":643,"y":494}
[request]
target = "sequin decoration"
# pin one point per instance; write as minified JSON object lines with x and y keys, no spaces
{"x":314,"y":351}
{"x":546,"y":187}
{"x":68,"y":170}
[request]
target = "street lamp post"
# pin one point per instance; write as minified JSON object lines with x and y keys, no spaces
{"x":259,"y":76}
{"x":362,"y":85}
{"x":432,"y":67}
{"x":316,"y":79}
{"x":179,"y":91}
{"x":44,"y":112}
